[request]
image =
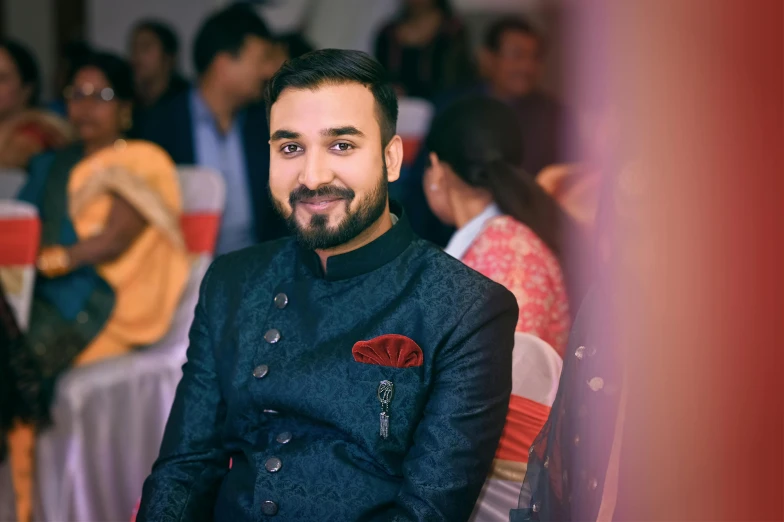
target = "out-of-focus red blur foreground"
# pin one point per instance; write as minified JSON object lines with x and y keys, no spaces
{"x":702,"y":100}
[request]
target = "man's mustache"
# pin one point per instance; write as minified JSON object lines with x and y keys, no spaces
{"x":303,"y":193}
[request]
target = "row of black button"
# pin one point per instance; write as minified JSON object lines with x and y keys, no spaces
{"x":273,"y":464}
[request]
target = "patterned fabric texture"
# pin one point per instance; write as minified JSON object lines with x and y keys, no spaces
{"x":272,"y":386}
{"x":509,"y":253}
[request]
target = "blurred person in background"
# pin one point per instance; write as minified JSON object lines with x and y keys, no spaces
{"x":288,"y":46}
{"x":293,"y":45}
{"x":511,"y":61}
{"x":154,"y":49}
{"x":510,"y":230}
{"x":425,"y":49}
{"x":577,"y":462}
{"x":112,"y":264}
{"x":69,"y":60}
{"x":25,"y":130}
{"x":576,"y":185}
{"x":11,"y":339}
{"x":221,"y":124}
{"x":11,"y":342}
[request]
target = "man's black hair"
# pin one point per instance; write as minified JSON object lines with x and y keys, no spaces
{"x":335,"y":67}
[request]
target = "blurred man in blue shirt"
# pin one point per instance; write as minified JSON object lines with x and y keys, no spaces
{"x":220,"y":122}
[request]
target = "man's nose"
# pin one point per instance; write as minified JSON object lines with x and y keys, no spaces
{"x":315,"y":171}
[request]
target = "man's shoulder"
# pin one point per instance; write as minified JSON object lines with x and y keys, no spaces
{"x":271,"y":258}
{"x":453,"y":295}
{"x":449,"y":276}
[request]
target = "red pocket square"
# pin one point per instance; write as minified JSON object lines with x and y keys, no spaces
{"x":397,"y":351}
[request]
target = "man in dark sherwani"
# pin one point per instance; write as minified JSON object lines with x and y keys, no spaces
{"x":353,"y":371}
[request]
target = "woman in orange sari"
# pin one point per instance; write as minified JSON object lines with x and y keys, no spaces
{"x":24,"y":130}
{"x":113,"y":264}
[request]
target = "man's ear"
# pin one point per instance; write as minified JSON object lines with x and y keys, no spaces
{"x":393,"y":157}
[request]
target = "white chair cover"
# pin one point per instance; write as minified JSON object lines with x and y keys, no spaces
{"x":536,"y":370}
{"x":203,"y":189}
{"x":109,"y":416}
{"x":414,"y":115}
{"x":11,"y":180}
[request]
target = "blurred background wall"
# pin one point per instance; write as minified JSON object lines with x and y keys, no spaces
{"x":33,"y":22}
{"x":46,"y":24}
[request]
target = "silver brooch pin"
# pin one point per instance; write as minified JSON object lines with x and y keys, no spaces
{"x":386,"y":390}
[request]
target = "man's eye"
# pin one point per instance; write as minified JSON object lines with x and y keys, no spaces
{"x":342,"y":147}
{"x":290,"y":148}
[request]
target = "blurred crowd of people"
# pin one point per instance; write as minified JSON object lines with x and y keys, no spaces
{"x":493,"y":182}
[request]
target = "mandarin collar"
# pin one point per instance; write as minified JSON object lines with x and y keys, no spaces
{"x":367,"y":258}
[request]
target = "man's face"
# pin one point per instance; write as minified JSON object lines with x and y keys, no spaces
{"x":147,"y":57}
{"x":516,"y":67}
{"x":247,"y":72}
{"x":328,"y":170}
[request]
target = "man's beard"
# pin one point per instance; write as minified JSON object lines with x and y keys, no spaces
{"x":317,"y":235}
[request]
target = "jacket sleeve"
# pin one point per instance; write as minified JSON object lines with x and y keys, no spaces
{"x":185,"y":479}
{"x":457,"y":438}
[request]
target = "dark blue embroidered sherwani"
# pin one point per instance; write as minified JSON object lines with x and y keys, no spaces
{"x":271,"y":384}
